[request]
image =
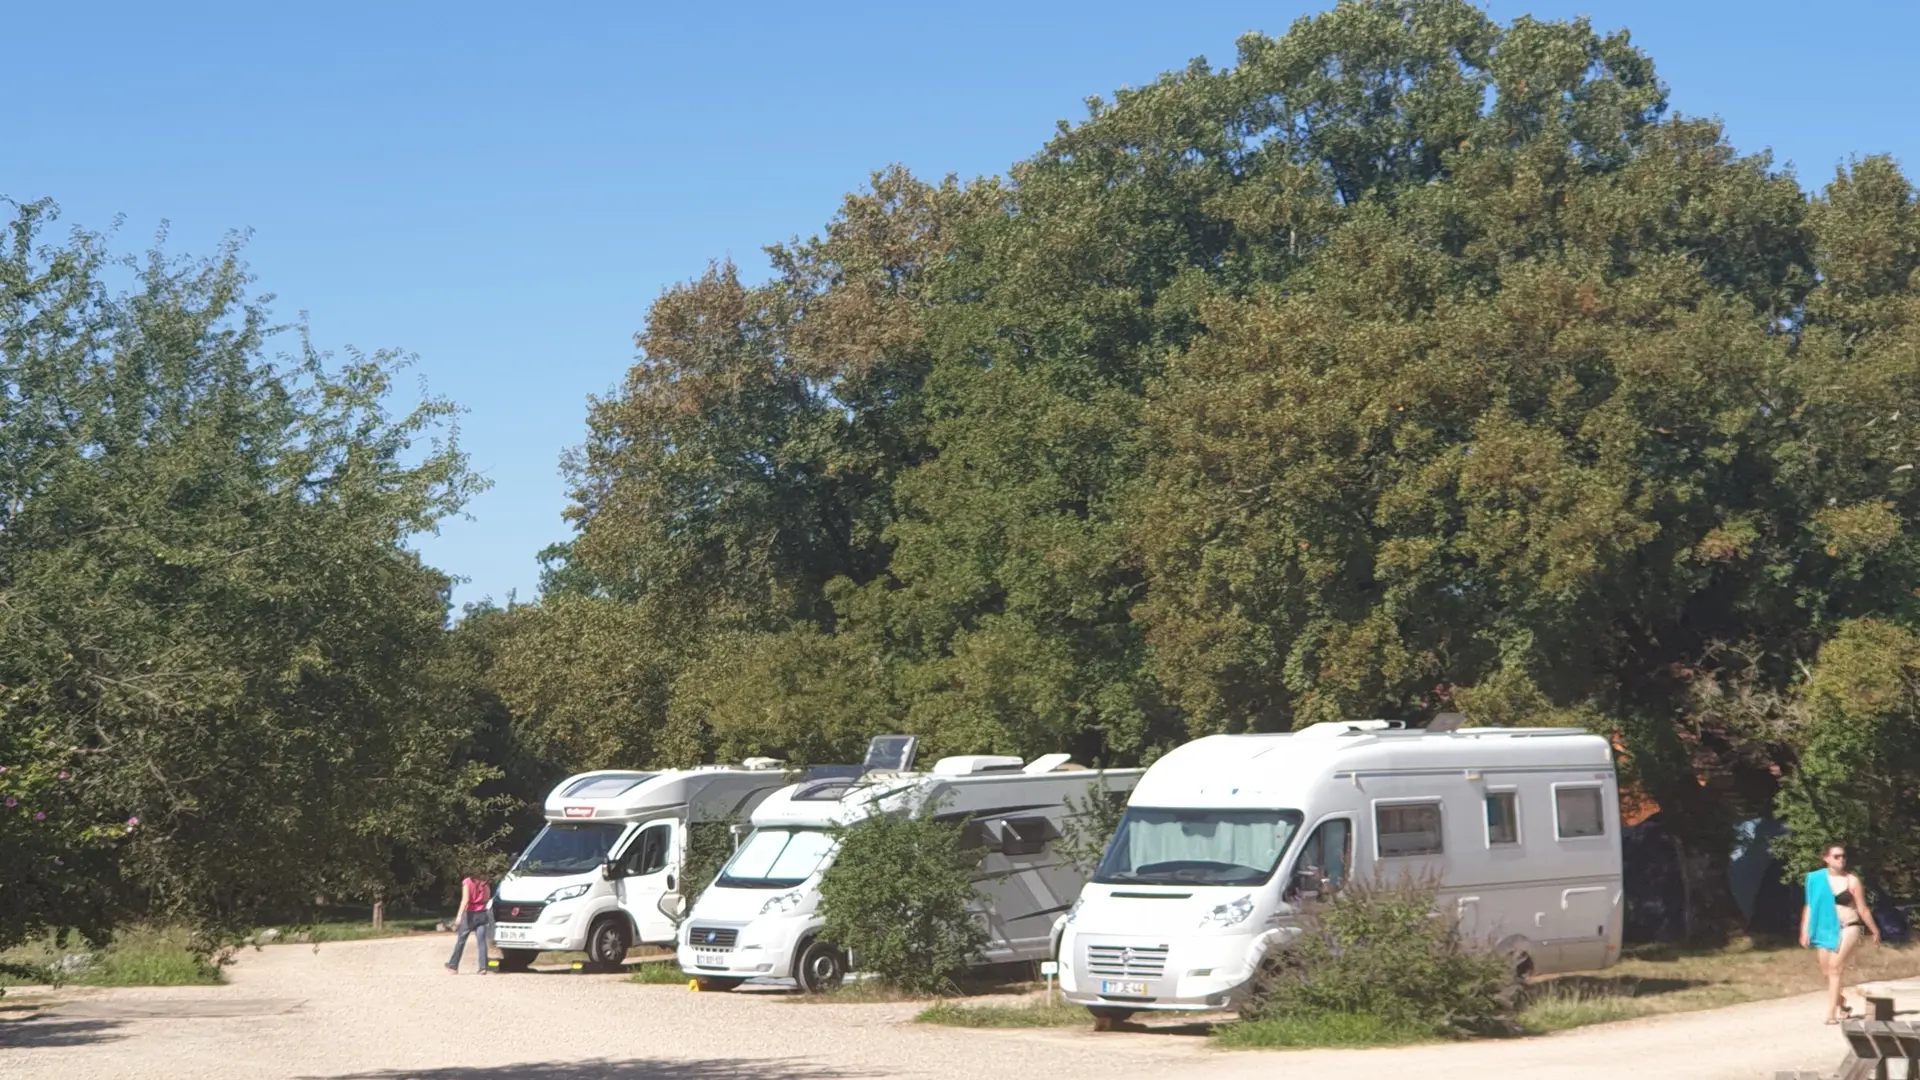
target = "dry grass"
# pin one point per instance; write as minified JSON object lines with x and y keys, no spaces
{"x":1031,"y":1013}
{"x":1665,"y":979}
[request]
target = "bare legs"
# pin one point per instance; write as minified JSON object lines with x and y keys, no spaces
{"x":1833,"y":965}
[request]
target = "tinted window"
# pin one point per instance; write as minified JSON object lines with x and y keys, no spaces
{"x":1024,"y":836}
{"x":1324,"y":857}
{"x":1503,"y":818}
{"x":1576,"y":812}
{"x":1408,"y":829}
{"x":569,"y":849}
{"x":648,"y":853}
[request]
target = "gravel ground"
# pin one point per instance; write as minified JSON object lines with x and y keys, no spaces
{"x":386,"y":1010}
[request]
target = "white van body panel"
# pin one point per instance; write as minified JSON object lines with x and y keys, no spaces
{"x":738,"y":932}
{"x":644,"y":818}
{"x":1517,"y":883}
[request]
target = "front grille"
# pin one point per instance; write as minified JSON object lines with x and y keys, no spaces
{"x":1127,"y":961}
{"x":713,"y":937}
{"x":516,"y":912}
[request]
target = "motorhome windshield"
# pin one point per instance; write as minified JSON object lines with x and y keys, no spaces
{"x":1196,"y":847}
{"x":569,"y":849}
{"x":776,"y":859}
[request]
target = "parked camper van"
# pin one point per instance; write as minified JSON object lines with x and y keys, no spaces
{"x":604,"y":874}
{"x":1228,"y":840}
{"x":758,"y":919}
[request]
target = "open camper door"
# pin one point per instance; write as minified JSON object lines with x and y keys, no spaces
{"x":644,"y":873}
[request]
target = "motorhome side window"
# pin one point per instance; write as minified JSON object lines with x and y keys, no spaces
{"x":1407,"y":829}
{"x":1323,"y":860}
{"x":1503,"y":818}
{"x":1577,"y":812}
{"x":649,"y":852}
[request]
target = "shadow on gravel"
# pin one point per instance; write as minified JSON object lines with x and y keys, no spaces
{"x":52,"y":1031}
{"x":627,"y":1069}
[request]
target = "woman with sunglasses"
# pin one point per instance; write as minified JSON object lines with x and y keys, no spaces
{"x":1833,"y":920}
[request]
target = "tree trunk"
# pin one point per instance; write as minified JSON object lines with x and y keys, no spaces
{"x":379,"y":914}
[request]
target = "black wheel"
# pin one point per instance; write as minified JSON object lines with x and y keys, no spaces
{"x":709,"y":984}
{"x":1106,"y":1018}
{"x":607,"y":943}
{"x":512,"y":960}
{"x":819,"y":967}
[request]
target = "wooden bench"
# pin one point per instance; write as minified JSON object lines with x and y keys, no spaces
{"x":1872,"y":1046}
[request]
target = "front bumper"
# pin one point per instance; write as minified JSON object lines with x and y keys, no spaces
{"x":1134,"y":972}
{"x":561,"y":928}
{"x":763,"y":949}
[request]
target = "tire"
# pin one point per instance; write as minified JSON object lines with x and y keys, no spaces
{"x":516,"y":960}
{"x":819,"y":967}
{"x":709,"y":984}
{"x":607,"y":943}
{"x":1106,"y":1018}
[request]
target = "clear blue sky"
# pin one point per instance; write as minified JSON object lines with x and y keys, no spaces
{"x":504,"y":189}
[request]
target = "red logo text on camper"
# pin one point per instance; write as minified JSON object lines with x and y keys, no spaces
{"x":579,"y":811}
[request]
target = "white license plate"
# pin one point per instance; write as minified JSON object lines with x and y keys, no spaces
{"x":709,"y":959}
{"x":1124,"y":989}
{"x":513,"y":933}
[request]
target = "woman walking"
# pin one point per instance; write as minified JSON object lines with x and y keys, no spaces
{"x":475,"y":917}
{"x":1832,"y":921}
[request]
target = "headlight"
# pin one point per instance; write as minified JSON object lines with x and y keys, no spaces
{"x":780,"y":905}
{"x":1075,"y":909}
{"x":568,"y":893}
{"x":1229,"y":914}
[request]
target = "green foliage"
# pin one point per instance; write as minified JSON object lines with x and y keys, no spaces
{"x":1092,"y":819}
{"x":135,"y":955}
{"x":1378,"y":951}
{"x":208,"y":616}
{"x":1413,"y":361}
{"x":658,"y":973}
{"x":1859,"y":749}
{"x":899,"y":897}
{"x":709,"y":846}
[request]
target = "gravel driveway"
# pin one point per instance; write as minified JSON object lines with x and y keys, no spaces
{"x":387,"y":1010}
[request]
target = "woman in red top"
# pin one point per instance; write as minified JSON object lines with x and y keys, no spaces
{"x":475,"y":917}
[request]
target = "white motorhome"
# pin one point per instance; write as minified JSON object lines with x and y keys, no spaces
{"x":1228,"y":840}
{"x":758,"y":919}
{"x":604,"y":874}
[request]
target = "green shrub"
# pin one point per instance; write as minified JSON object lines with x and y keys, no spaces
{"x":1380,"y":951}
{"x":136,"y":955}
{"x":1091,"y":821}
{"x":899,"y":898}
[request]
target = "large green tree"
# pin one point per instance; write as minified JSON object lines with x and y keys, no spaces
{"x":209,"y":621}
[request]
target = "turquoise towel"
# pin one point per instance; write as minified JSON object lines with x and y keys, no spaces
{"x":1823,"y":922}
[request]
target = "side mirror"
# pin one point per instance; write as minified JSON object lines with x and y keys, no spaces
{"x":672,"y":905}
{"x":606,"y":869}
{"x":1307,"y":884}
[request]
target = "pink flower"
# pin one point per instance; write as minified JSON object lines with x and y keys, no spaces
{"x":11,"y":801}
{"x":63,"y":774}
{"x":133,"y":821}
{"x":39,"y":815}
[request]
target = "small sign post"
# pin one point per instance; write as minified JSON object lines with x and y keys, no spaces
{"x":1049,"y":968}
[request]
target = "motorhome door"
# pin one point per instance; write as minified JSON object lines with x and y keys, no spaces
{"x":643,"y":874}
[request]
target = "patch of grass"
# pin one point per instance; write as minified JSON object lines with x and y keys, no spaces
{"x":1032,"y":1014}
{"x":354,"y":931}
{"x":658,"y":973}
{"x":1318,"y":1029}
{"x":137,"y":956}
{"x":1657,"y":979}
{"x":858,"y":992}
